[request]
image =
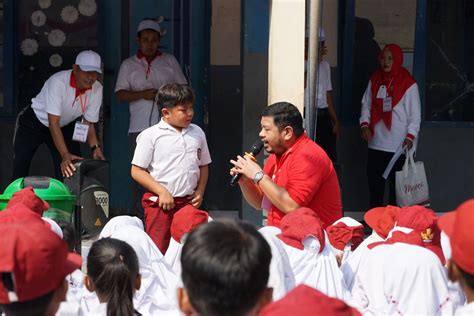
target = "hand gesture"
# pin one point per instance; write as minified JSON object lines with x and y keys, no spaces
{"x":166,"y":200}
{"x":196,"y":199}
{"x":245,"y":166}
{"x":67,"y":165}
{"x":149,"y":94}
{"x":98,"y":154}
{"x":366,"y":133}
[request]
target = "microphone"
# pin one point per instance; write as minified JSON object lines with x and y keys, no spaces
{"x":254,"y":151}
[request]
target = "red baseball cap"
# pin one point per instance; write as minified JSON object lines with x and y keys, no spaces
{"x":458,"y":226}
{"x":28,"y":198}
{"x":382,"y":219}
{"x":185,"y":220}
{"x":412,"y":238}
{"x":306,"y":301}
{"x":299,"y":224}
{"x":340,"y":234}
{"x":37,"y":259}
{"x":423,"y":221}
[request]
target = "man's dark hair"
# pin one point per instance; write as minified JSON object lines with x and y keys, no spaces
{"x":225,"y":267}
{"x":285,"y":114}
{"x":148,"y":19}
{"x":172,"y":94}
{"x":69,"y":234}
{"x":469,"y":278}
{"x":34,"y":307}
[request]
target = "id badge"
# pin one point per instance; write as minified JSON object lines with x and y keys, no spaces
{"x":80,"y":132}
{"x":382,"y":92}
{"x":387,"y":104}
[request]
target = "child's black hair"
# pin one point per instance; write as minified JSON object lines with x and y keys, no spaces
{"x":112,"y":266}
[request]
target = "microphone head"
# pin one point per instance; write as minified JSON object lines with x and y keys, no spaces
{"x":256,"y":148}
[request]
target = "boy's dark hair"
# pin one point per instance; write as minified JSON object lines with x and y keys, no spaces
{"x":469,"y":278}
{"x":285,"y":114}
{"x":172,"y":94}
{"x":34,"y":307}
{"x":69,"y":234}
{"x":112,"y":265}
{"x":148,"y":19}
{"x":225,"y":267}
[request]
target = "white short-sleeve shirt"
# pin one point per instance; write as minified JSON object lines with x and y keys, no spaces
{"x":173,"y":158}
{"x":324,"y":85}
{"x":58,"y":97}
{"x":133,"y":76}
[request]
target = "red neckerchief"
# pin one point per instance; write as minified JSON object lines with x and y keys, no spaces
{"x":141,"y":57}
{"x":79,"y":93}
{"x":72,"y":83}
{"x":397,"y":82}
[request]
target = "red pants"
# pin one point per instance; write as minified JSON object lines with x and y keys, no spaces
{"x":158,"y":221}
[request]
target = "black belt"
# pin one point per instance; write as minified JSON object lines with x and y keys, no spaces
{"x":323,"y":112}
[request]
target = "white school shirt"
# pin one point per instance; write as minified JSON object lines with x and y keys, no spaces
{"x":466,"y":310}
{"x":406,"y":118}
{"x":281,"y":278}
{"x":351,"y":266}
{"x":173,"y":158}
{"x":318,"y":270}
{"x":415,"y":282}
{"x":58,"y":97}
{"x":324,"y":85}
{"x":133,"y":76}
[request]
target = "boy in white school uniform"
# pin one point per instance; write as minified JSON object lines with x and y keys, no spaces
{"x":139,"y":78}
{"x":171,"y":162}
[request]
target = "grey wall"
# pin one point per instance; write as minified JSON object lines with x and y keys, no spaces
{"x":448,"y":156}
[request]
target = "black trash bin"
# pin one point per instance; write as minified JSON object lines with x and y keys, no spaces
{"x":90,"y":183}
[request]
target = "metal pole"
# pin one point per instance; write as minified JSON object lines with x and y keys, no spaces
{"x":314,"y":21}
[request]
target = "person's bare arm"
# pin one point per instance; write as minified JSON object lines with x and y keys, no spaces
{"x":141,"y":175}
{"x":198,"y":195}
{"x":130,"y":96}
{"x":276,"y":194}
{"x":67,"y":167}
{"x":92,"y":140}
{"x":332,"y":113}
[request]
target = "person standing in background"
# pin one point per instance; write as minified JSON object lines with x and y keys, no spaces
{"x":139,"y":78}
{"x":390,"y":119}
{"x":327,"y":127}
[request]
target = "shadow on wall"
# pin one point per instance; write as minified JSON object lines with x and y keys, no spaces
{"x":365,"y":60}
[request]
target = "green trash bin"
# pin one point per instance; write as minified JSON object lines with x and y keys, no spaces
{"x":57,"y":194}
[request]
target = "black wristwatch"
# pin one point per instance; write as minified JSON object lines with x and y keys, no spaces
{"x":93,"y":148}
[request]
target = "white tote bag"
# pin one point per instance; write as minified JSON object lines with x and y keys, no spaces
{"x":410,"y":183}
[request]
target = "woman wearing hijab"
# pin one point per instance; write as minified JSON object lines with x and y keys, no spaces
{"x":390,"y":119}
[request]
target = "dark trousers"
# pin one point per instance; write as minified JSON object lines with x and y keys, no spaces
{"x":30,"y":134}
{"x":377,"y":161}
{"x":324,"y":135}
{"x":137,"y":189}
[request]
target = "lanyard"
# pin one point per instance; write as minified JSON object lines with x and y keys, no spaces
{"x":147,"y":68}
{"x":389,"y":84}
{"x":83,"y":104}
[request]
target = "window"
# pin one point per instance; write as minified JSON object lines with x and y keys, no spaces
{"x":449,"y":85}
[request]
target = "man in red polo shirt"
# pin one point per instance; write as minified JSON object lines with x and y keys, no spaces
{"x":297,"y":174}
